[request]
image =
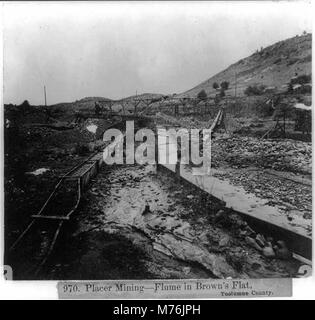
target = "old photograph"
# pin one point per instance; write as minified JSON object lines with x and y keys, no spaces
{"x":161,"y":140}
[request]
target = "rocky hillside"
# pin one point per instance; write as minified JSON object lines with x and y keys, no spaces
{"x":272,"y":66}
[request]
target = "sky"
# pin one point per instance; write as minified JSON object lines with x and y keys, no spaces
{"x":114,"y":50}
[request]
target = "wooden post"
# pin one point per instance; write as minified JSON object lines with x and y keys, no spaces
{"x":137,"y":102}
{"x":177,"y":170}
{"x":156,"y":150}
{"x":176,"y":110}
{"x":123,"y":106}
{"x":235,"y":88}
{"x":147,"y":103}
{"x":284,"y":122}
{"x":45,"y":96}
{"x":161,"y":102}
{"x":183,"y":102}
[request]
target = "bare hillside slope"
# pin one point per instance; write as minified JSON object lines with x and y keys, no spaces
{"x":272,"y":66}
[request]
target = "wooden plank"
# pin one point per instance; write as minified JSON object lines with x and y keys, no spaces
{"x":36,"y":216}
{"x":88,"y":174}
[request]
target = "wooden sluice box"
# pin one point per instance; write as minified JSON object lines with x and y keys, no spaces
{"x":98,"y":158}
{"x":86,"y":173}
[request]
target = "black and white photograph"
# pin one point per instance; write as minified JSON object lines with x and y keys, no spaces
{"x":157,"y":140}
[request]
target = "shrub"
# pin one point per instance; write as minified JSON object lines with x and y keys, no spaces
{"x":225,"y":85}
{"x":255,"y":90}
{"x":97,"y":108}
{"x":202,"y":95}
{"x":25,"y":106}
{"x":215,"y":85}
{"x":301,"y":79}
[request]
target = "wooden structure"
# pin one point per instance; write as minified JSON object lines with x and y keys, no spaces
{"x":279,"y":117}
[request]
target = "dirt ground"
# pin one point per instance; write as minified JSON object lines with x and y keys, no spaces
{"x":277,"y":170}
{"x":35,"y":157}
{"x":138,"y":223}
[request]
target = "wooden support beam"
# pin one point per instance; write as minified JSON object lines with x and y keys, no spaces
{"x":36,"y":216}
{"x":137,"y":102}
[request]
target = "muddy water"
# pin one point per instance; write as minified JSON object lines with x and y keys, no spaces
{"x":136,"y":202}
{"x":138,"y":223}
